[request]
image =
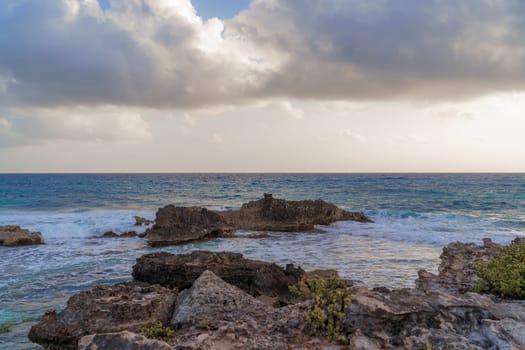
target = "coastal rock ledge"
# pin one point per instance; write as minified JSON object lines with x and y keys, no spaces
{"x":214,"y":312}
{"x":14,"y":235}
{"x":176,"y":225}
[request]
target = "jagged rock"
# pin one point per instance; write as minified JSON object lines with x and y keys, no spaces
{"x":139,"y":221}
{"x":457,"y":270}
{"x":175,"y":225}
{"x":410,"y":319}
{"x":14,"y":235}
{"x":255,"y":277}
{"x":271,"y":214}
{"x":240,"y":321}
{"x":212,"y":298}
{"x":126,"y":306}
{"x":129,"y":234}
{"x":122,"y":340}
{"x":110,"y":234}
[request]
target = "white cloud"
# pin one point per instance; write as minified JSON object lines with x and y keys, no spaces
{"x":354,"y":135}
{"x":217,"y":138}
{"x":292,"y":111}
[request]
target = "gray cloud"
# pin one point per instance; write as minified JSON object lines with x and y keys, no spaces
{"x":69,"y":53}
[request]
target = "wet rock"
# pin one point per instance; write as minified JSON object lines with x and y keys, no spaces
{"x":104,"y":309}
{"x":14,"y":235}
{"x":129,"y":234}
{"x":271,"y":214}
{"x":110,"y":234}
{"x":122,"y":340}
{"x":255,"y":277}
{"x":176,"y":225}
{"x":139,"y":221}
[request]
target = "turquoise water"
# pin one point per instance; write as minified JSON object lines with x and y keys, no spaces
{"x":414,"y":214}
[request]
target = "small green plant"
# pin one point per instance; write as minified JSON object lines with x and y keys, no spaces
{"x":208,"y":325}
{"x":504,"y":275}
{"x":331,"y":300}
{"x":155,"y":330}
{"x":6,"y":327}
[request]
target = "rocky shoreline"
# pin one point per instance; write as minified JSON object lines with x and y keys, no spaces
{"x":206,"y":300}
{"x":14,"y":236}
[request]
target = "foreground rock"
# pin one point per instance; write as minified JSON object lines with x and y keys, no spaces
{"x":255,"y":277}
{"x":457,"y":270}
{"x":176,"y":225}
{"x":14,"y":235}
{"x":122,"y":340}
{"x":126,"y":306}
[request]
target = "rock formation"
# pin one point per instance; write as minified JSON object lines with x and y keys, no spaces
{"x":13,"y":235}
{"x":139,"y":221}
{"x":254,"y":277}
{"x":216,"y":308}
{"x":175,"y":225}
{"x":122,"y":340}
{"x":104,"y":309}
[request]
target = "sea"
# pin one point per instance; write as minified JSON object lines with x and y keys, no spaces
{"x":414,"y":215}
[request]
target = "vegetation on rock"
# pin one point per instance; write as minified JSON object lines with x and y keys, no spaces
{"x":208,"y":325}
{"x":156,"y":330}
{"x":504,"y":275}
{"x":331,"y":300}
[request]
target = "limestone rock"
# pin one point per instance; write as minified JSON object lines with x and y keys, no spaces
{"x":14,"y":235}
{"x":126,"y":306}
{"x":139,"y":221}
{"x":122,"y":340}
{"x":175,"y":225}
{"x":255,"y":277}
{"x":271,"y":214}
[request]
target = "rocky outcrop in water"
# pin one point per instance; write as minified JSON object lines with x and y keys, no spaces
{"x":104,"y":309}
{"x":139,"y":221}
{"x":175,"y":225}
{"x":14,"y":235}
{"x":254,"y":277}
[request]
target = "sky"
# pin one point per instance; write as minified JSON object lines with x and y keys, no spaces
{"x":262,"y":86}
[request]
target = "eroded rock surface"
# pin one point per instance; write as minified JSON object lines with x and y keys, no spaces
{"x":139,"y":221}
{"x":123,"y":340}
{"x":176,"y":225}
{"x":104,"y":309}
{"x":253,"y":276}
{"x":14,"y":235}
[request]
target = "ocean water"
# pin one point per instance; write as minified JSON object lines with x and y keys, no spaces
{"x":415,"y":216}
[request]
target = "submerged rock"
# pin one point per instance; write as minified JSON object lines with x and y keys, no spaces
{"x":110,"y":234}
{"x":176,"y":225}
{"x":14,"y":235}
{"x":104,"y":309}
{"x":129,"y":234}
{"x":255,"y":277}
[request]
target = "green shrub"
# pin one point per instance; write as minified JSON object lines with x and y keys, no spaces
{"x":155,"y":330}
{"x":504,"y":275}
{"x":208,"y":325}
{"x":331,"y":300}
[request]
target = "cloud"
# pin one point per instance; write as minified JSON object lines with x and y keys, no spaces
{"x":161,"y":54}
{"x":292,"y":111}
{"x":354,"y":135}
{"x":108,"y":124}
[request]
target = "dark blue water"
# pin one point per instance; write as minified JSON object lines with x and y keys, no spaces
{"x":415,"y":215}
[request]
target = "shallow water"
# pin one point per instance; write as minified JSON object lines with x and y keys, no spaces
{"x":415,"y":215}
